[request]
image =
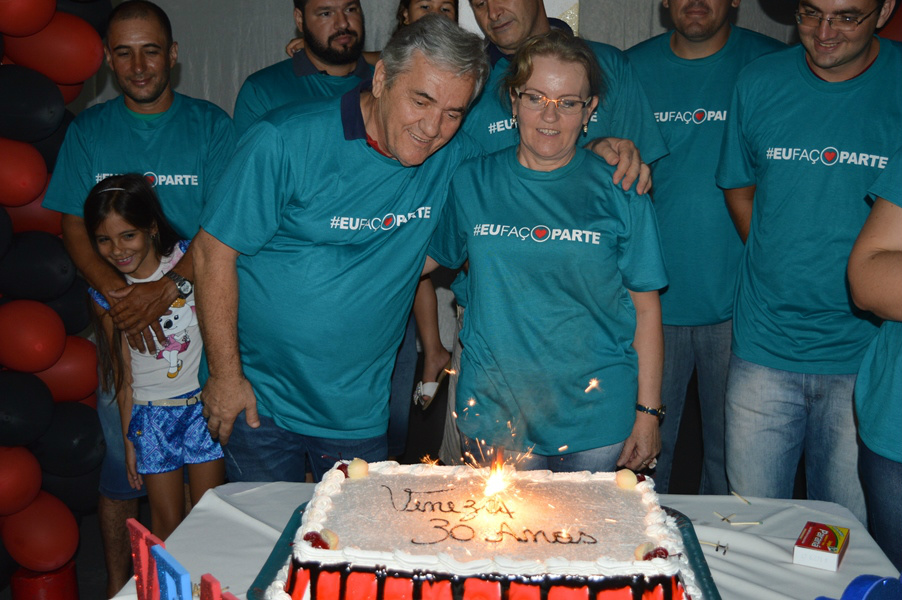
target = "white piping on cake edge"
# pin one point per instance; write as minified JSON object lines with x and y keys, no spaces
{"x":317,"y":510}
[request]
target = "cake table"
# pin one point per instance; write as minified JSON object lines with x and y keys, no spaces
{"x":232,"y":530}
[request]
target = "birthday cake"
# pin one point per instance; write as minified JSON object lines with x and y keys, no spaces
{"x":430,"y":532}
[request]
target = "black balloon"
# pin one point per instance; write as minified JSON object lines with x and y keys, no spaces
{"x":26,"y":408}
{"x":49,"y":147}
{"x":6,"y":232}
{"x":36,"y":267}
{"x":7,"y":565}
{"x":31,"y":106}
{"x":95,"y":12}
{"x":78,"y":493}
{"x":73,"y":307}
{"x":73,"y":444}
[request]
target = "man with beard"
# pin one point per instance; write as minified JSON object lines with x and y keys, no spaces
{"x":338,"y":198}
{"x":810,"y":129}
{"x":182,"y":145}
{"x":330,"y":64}
{"x":689,"y":75}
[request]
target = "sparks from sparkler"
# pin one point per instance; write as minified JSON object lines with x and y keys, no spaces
{"x":497,"y":480}
{"x":593,"y":384}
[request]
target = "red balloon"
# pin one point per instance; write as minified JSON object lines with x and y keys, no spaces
{"x":23,"y":173}
{"x":34,"y":336}
{"x":51,"y":585}
{"x":74,"y":375}
{"x":90,"y":401}
{"x":25,"y":17}
{"x":43,"y":536}
{"x":20,"y":479}
{"x":893,"y":29}
{"x":67,"y":51}
{"x":34,"y":217}
{"x":70,"y":92}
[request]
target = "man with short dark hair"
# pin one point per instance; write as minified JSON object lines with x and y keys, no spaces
{"x":330,"y":64}
{"x":181,"y":145}
{"x":810,"y":129}
{"x":689,"y":75}
{"x":327,"y":263}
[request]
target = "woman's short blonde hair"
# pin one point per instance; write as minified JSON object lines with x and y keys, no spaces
{"x":559,"y":44}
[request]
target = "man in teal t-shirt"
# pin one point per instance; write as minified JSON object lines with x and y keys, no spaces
{"x":809,"y":130}
{"x":689,"y":75}
{"x":875,"y":277}
{"x":337,"y":201}
{"x":182,"y":146}
{"x":330,"y":64}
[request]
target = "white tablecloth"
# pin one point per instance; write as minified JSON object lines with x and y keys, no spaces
{"x":232,"y":530}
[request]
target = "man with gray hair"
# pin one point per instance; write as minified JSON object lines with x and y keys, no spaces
{"x":328,"y":261}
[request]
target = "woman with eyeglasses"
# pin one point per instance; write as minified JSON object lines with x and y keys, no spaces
{"x":562,"y":340}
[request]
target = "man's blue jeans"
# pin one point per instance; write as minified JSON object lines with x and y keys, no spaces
{"x":705,"y":349}
{"x":773,"y":416}
{"x":402,"y":390}
{"x":270,"y":453}
{"x":113,"y":476}
{"x":882,"y":479}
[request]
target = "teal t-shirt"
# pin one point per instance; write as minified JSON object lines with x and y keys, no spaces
{"x":288,"y":81}
{"x":812,"y":148}
{"x":878,"y":389}
{"x":332,"y":237}
{"x":552,"y":257}
{"x":623,"y":113}
{"x":183,"y":153}
{"x":690,"y":100}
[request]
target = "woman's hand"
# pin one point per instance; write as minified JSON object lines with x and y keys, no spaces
{"x":643,"y":444}
{"x":131,"y":466}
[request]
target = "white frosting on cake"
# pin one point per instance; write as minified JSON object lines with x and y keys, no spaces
{"x":433,"y":518}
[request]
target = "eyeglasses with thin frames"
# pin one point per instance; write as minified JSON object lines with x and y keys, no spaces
{"x":565,"y":106}
{"x":839,"y":23}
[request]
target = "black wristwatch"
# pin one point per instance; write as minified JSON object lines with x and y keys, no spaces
{"x":184,"y":286}
{"x":655,"y":412}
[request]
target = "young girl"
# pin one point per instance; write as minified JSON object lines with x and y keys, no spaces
{"x":158,"y":392}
